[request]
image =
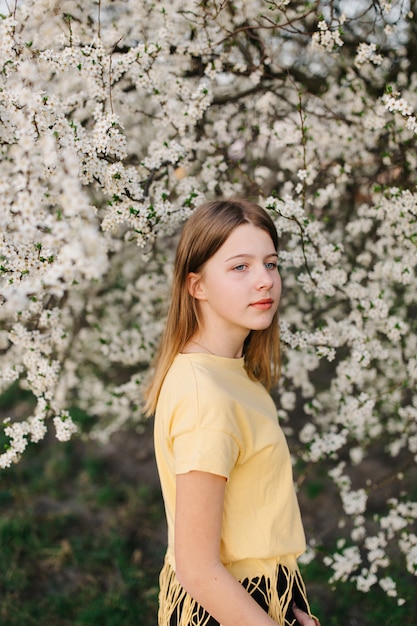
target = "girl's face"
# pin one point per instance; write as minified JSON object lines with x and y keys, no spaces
{"x":239,"y":287}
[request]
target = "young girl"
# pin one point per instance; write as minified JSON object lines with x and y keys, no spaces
{"x":234,"y":527}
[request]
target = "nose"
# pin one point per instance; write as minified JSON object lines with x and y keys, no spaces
{"x":265,"y":278}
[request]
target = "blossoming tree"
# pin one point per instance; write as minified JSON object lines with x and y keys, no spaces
{"x":117,"y":118}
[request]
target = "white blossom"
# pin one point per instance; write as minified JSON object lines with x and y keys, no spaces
{"x":343,"y":563}
{"x":64,"y":426}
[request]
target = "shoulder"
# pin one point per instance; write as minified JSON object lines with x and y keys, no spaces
{"x":204,"y":377}
{"x":199,"y":392}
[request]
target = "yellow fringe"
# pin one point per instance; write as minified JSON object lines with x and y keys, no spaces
{"x":175,"y":600}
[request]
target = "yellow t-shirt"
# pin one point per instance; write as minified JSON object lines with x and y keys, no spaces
{"x":212,"y":417}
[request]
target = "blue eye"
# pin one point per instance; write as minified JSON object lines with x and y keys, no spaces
{"x":239,"y":268}
{"x":271,"y":266}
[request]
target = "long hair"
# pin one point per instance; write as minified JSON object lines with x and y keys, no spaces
{"x":203,"y":234}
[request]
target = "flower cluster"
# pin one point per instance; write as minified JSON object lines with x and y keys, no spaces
{"x":327,"y":38}
{"x":394,"y":102}
{"x":366,"y":53}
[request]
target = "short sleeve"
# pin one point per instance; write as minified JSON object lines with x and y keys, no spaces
{"x":206,"y":450}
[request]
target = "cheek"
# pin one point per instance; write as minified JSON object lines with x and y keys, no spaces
{"x":278,"y":286}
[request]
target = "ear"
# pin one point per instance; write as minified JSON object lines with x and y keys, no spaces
{"x":194,"y":286}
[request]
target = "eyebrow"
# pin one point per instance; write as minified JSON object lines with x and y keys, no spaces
{"x":250,"y":256}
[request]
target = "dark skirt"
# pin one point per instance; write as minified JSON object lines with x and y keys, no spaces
{"x":258,"y":588}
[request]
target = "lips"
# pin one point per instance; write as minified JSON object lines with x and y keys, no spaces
{"x":264,"y":304}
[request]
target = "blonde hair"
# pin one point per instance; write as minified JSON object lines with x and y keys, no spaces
{"x":203,"y":234}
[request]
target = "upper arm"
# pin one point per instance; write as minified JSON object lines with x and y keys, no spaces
{"x":198,"y":521}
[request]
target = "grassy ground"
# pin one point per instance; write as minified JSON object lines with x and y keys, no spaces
{"x":78,"y":545}
{"x":82,"y":538}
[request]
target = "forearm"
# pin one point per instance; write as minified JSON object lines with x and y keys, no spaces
{"x":198,"y":522}
{"x":212,"y":586}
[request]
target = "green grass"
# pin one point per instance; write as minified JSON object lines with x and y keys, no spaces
{"x":78,"y":543}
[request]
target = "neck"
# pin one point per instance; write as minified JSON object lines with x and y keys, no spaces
{"x":211,"y":345}
{"x":204,"y":348}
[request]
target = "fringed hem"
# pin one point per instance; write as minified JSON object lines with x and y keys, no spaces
{"x":285,"y":586}
{"x":275,"y":594}
{"x":176,"y":606}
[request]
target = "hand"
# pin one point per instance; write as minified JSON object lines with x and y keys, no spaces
{"x":303,"y":618}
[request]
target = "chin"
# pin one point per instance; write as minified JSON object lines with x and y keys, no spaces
{"x":262,"y":326}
